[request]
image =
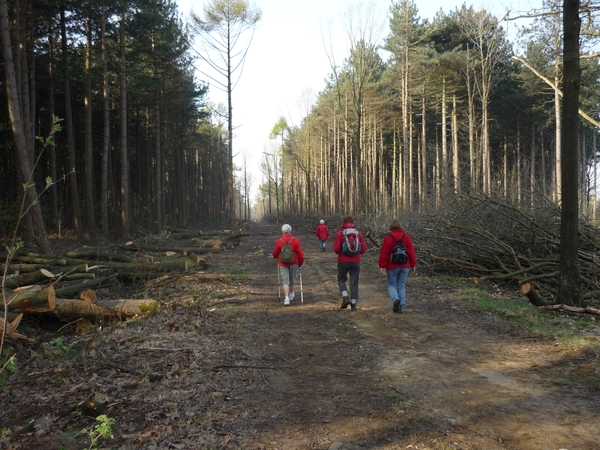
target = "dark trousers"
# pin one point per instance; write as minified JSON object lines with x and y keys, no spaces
{"x":352,"y":269}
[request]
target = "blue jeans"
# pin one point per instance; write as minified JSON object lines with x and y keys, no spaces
{"x":397,"y":284}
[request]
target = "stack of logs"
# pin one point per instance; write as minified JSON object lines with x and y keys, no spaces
{"x":65,"y":286}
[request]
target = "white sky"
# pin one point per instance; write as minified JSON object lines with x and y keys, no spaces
{"x":287,"y":62}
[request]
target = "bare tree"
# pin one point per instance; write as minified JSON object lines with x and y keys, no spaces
{"x":219,"y":32}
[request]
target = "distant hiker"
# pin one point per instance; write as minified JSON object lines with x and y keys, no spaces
{"x":288,"y":252}
{"x":322,"y":233}
{"x":349,"y":244}
{"x":397,"y":256}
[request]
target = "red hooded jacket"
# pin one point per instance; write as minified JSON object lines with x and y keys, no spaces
{"x":322,"y":232}
{"x":389,"y":244}
{"x":339,"y":240}
{"x":296,"y":248}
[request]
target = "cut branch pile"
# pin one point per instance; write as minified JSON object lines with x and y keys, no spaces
{"x":494,"y":241}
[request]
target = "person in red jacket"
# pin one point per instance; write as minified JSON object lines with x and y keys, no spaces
{"x":397,"y":273}
{"x":322,"y":234}
{"x":349,"y":260}
{"x":287,"y":270}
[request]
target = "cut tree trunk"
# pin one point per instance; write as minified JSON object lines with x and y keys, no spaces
{"x":528,"y":290}
{"x":30,"y":299}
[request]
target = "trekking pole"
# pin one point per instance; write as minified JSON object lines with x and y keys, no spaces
{"x":301,"y":292}
{"x":278,"y":282}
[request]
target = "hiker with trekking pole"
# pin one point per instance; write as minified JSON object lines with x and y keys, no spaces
{"x":349,"y":244}
{"x":290,"y":257}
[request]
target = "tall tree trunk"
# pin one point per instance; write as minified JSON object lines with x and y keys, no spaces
{"x":595,"y":176}
{"x":14,"y":110}
{"x":455,"y":161}
{"x":88,"y":150}
{"x":106,"y":126}
{"x":532,"y":183}
{"x":125,"y":219}
{"x":569,"y":280}
{"x":557,"y":163}
{"x":230,"y":200}
{"x":444,"y":167}
{"x":73,"y":189}
{"x":471,"y":115}
{"x":519,"y":165}
{"x":52,"y":149}
{"x":423,"y":176}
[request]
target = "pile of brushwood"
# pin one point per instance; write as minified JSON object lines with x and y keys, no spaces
{"x":490,"y":240}
{"x":80,"y":284}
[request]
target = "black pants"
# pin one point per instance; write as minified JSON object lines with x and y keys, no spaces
{"x":352,"y":269}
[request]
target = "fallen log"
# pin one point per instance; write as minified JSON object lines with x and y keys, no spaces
{"x":105,"y":309}
{"x":25,"y":268}
{"x":586,"y":310}
{"x":130,"y":307}
{"x":137,"y":270}
{"x":209,"y":243}
{"x":174,"y":248}
{"x":28,"y":279}
{"x":76,"y":290}
{"x":73,"y":309}
{"x":528,"y":290}
{"x":30,"y":299}
{"x":99,"y":256}
{"x":39,"y":259}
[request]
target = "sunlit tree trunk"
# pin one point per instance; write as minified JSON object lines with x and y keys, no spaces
{"x":558,"y":125}
{"x":455,"y":161}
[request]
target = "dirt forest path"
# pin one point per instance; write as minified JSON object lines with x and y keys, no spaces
{"x":439,"y":375}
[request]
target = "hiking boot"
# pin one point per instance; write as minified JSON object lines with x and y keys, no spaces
{"x":401,"y":309}
{"x":292,"y":296}
{"x":396,"y":307}
{"x":345,"y":302}
{"x":286,"y":302}
{"x":353,"y":307}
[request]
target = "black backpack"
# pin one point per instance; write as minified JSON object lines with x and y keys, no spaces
{"x":399,"y":255}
